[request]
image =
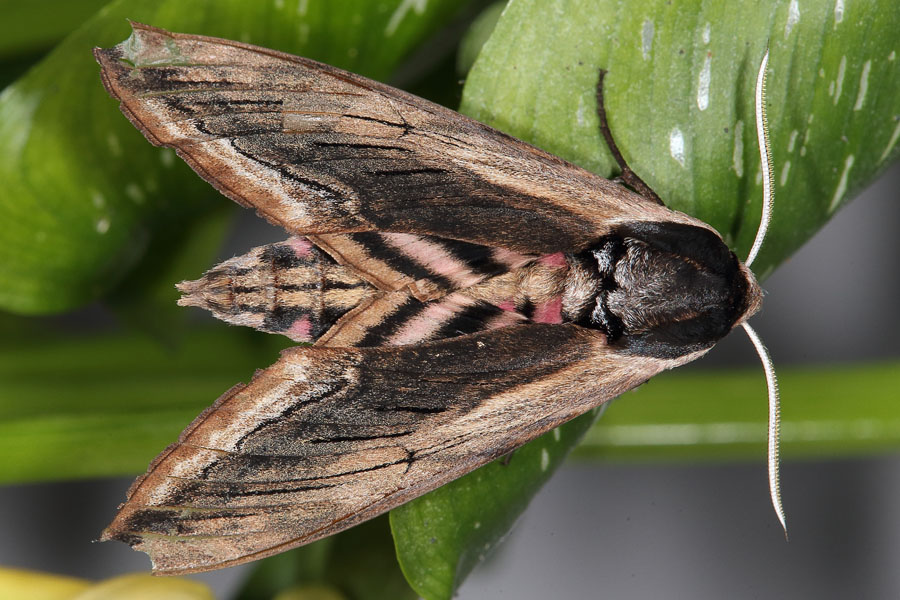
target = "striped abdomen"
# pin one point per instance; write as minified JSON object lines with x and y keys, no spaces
{"x":296,"y":289}
{"x":291,"y":287}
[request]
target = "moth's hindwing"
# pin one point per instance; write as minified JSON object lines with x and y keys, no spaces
{"x":426,"y":266}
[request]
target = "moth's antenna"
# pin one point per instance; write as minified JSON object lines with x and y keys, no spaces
{"x":765,"y":158}
{"x":774,"y":425}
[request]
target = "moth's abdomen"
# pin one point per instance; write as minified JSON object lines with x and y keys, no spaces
{"x":291,"y":288}
{"x":666,"y":289}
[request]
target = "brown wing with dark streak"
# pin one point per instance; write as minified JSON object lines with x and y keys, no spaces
{"x":328,"y":437}
{"x":319,"y":150}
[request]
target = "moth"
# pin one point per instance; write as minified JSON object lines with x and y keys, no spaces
{"x":463,"y":292}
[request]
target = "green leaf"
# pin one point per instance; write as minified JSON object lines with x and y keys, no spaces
{"x":84,"y":194}
{"x":833,"y":101}
{"x":26,"y":28}
{"x":357,"y":564}
{"x":672,"y":418}
{"x":441,"y":536}
{"x":677,"y":73}
{"x":106,"y":405}
{"x":479,"y":32}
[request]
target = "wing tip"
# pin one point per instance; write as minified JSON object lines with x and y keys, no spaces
{"x":116,"y":65}
{"x":119,"y":531}
{"x":145,"y":46}
{"x":136,"y":542}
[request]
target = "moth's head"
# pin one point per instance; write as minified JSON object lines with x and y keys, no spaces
{"x":754,"y":295}
{"x":668,"y":289}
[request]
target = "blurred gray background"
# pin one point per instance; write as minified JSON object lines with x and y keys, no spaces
{"x":644,"y":530}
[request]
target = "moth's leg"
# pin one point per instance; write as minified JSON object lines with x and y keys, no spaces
{"x":628,"y":176}
{"x":507,"y":458}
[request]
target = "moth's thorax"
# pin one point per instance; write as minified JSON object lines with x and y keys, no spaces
{"x":664,"y":289}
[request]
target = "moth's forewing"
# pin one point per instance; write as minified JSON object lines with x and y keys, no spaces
{"x":328,"y":437}
{"x":320,"y":150}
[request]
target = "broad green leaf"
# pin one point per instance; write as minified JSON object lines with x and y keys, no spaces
{"x":654,"y":422}
{"x":84,"y":194}
{"x":679,"y":96}
{"x":100,"y":406}
{"x":357,"y":564}
{"x":479,"y":32}
{"x":686,"y":71}
{"x":26,"y":27}
{"x":441,"y":536}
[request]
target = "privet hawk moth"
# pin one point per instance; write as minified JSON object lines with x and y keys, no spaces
{"x":463,"y":291}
